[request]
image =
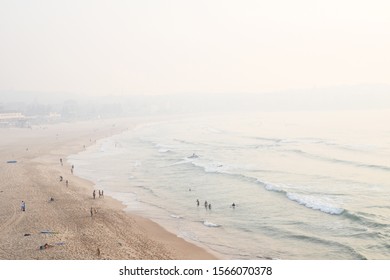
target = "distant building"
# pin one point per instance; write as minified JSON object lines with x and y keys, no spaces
{"x":53,"y":116}
{"x":13,"y":119}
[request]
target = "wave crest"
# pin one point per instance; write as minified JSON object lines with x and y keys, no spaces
{"x":314,"y":203}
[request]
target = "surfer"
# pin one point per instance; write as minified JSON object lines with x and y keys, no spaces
{"x":205,"y":204}
{"x":197,"y":202}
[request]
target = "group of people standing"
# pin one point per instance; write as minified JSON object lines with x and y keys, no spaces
{"x":101,"y":194}
{"x":208,"y":205}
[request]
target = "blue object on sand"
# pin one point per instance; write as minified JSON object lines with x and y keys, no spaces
{"x":48,"y":232}
{"x":12,"y":161}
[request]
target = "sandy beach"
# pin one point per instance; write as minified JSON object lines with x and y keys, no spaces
{"x":60,"y":215}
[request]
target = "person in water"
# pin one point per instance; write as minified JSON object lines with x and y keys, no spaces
{"x":234,"y":205}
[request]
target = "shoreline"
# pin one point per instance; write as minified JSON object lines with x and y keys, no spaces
{"x":65,"y":223}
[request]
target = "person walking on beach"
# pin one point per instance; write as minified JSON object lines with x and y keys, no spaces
{"x":197,"y":202}
{"x":91,"y":211}
{"x":61,"y":162}
{"x":23,"y":206}
{"x":209,"y":206}
{"x":94,"y":194}
{"x":205,"y":204}
{"x":66,"y":182}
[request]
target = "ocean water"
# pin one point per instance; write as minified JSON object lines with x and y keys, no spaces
{"x":306,"y":185}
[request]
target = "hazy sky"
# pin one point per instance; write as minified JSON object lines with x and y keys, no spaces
{"x":146,"y":46}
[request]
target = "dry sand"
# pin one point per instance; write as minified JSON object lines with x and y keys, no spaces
{"x":72,"y":233}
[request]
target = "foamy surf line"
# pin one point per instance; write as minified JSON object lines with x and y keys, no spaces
{"x":308,"y":201}
{"x":312,"y":203}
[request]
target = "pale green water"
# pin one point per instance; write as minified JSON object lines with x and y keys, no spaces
{"x":312,"y":185}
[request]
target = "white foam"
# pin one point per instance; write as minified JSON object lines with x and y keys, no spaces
{"x":315,"y":203}
{"x":210,"y":224}
{"x":212,"y":167}
{"x":107,"y":145}
{"x":272,"y":187}
{"x":176,"y":216}
{"x":180,"y":162}
{"x":163,"y":150}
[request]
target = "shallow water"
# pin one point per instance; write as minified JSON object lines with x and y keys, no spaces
{"x":307,"y":185}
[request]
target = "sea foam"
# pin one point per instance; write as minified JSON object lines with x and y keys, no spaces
{"x":309,"y":201}
{"x":315,"y":203}
{"x":210,"y":224}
